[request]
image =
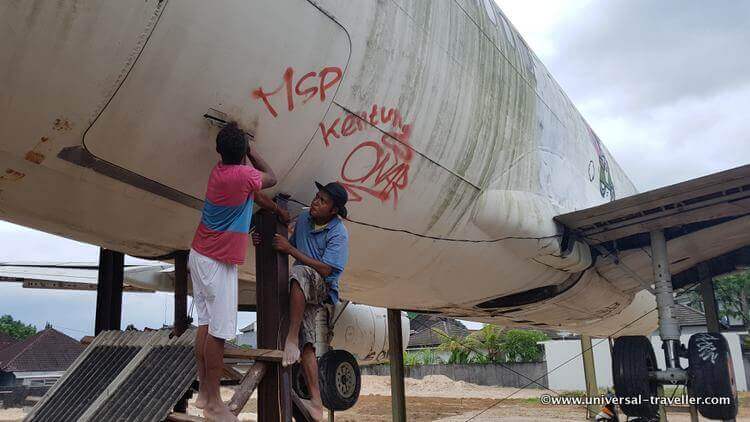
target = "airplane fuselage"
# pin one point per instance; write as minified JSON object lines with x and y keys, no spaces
{"x":456,"y":145}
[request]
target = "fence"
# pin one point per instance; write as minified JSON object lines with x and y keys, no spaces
{"x":506,"y":375}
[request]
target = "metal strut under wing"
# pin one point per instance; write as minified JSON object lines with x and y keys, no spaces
{"x":705,"y":220}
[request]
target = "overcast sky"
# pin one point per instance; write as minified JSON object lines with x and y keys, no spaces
{"x":663,"y":83}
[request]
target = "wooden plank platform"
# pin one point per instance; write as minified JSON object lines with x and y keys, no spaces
{"x":184,"y":417}
{"x":265,"y":355}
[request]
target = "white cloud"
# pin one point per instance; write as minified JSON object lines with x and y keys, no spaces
{"x":662,"y":83}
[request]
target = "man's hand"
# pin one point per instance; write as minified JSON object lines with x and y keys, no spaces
{"x":256,"y":239}
{"x":281,"y":244}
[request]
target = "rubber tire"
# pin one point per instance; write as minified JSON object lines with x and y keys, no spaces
{"x":712,"y":379}
{"x":328,"y":365}
{"x":632,"y":359}
{"x":299,"y":384}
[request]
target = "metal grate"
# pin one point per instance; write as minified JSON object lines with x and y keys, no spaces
{"x":122,"y":376}
{"x":152,"y":389}
{"x":86,"y":384}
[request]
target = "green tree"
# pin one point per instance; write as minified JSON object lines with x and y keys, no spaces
{"x":411,"y":358}
{"x":16,"y":329}
{"x":732,"y":292}
{"x":493,"y":345}
{"x":521,"y":345}
{"x":459,"y":352}
{"x":489,"y":340}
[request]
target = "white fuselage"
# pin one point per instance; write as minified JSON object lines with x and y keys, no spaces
{"x":457,"y":146}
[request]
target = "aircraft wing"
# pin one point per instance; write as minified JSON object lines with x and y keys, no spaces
{"x":706,"y":222}
{"x":71,"y":276}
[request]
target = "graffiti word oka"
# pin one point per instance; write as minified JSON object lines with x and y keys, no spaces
{"x":305,"y":88}
{"x":388,"y":157}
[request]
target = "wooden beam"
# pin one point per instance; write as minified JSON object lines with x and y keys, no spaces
{"x":181,"y":321}
{"x":74,"y":285}
{"x":249,"y":383}
{"x":183,"y":417}
{"x":709,"y":298}
{"x":109,"y":290}
{"x":272,"y":274}
{"x":396,"y":357}
{"x":264,"y":355}
{"x":300,"y":411}
{"x":231,"y":373}
{"x":589,"y":373}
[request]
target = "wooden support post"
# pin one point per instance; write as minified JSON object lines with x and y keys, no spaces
{"x":181,"y":321}
{"x":109,"y":291}
{"x":709,"y":298}
{"x":396,"y":357}
{"x":589,"y":373}
{"x":249,"y":382}
{"x":662,"y":409}
{"x":272,"y":296}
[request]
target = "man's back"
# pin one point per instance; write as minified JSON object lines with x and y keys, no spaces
{"x":223,"y":231}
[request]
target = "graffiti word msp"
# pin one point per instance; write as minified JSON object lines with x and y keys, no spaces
{"x":308,"y":86}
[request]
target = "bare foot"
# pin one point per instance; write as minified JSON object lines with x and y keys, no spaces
{"x":201,"y":401}
{"x":219,"y":413}
{"x":291,"y":353}
{"x":315,"y":410}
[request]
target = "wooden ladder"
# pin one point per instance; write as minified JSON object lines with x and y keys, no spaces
{"x":264,"y":358}
{"x":276,"y":399}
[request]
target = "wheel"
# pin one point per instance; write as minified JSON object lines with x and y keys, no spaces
{"x":633,"y":358}
{"x":711,"y":374}
{"x":299,"y":384}
{"x":340,"y":379}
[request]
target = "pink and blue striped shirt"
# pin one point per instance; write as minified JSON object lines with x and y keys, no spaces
{"x":223,"y":231}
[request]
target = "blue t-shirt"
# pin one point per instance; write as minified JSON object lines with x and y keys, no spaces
{"x":329,"y":245}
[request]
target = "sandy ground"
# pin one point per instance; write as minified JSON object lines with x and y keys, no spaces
{"x":438,"y":398}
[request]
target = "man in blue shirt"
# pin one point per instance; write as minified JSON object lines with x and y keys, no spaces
{"x":320,"y":247}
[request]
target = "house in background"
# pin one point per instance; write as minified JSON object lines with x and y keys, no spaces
{"x":248,"y":336}
{"x":6,"y":340}
{"x":32,"y":366}
{"x":424,"y":333}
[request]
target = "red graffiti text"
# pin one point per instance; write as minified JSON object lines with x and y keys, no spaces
{"x":388,"y":158}
{"x":308,"y":86}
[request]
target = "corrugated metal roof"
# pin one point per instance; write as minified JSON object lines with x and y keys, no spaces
{"x":122,"y":376}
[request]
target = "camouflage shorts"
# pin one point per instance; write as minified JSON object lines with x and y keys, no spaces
{"x":315,"y":290}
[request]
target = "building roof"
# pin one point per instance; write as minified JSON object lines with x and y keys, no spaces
{"x":423,"y":330}
{"x":6,"y":340}
{"x":47,"y":350}
{"x":688,"y":316}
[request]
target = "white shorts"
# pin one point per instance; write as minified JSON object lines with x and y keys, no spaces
{"x":214,"y":294}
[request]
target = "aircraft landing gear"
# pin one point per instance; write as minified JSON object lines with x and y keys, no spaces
{"x":709,"y":375}
{"x":339,"y":377}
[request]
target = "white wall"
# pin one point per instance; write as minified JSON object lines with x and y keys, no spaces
{"x":569,"y":376}
{"x":565,"y":364}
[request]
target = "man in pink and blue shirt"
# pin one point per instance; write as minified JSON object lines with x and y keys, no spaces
{"x":219,"y":246}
